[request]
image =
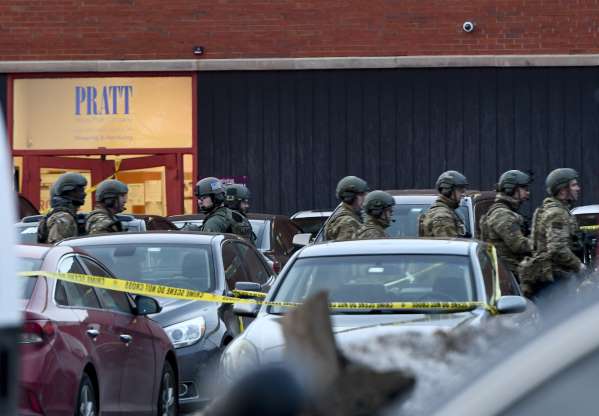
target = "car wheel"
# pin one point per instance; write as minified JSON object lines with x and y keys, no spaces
{"x":168,"y":400}
{"x":87,"y":403}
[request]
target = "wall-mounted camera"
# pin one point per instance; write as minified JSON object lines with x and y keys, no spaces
{"x":468,"y":26}
{"x":198,"y":50}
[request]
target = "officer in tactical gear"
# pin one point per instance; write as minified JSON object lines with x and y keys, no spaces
{"x":237,"y":199}
{"x":502,"y":224}
{"x":67,"y":195}
{"x":441,"y":220}
{"x":378,"y":206}
{"x":211,"y":201}
{"x":345,"y":222}
{"x":111,"y":199}
{"x":553,"y":266}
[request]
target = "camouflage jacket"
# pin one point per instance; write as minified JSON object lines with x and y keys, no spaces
{"x":554,"y":233}
{"x":441,"y":220}
{"x":372,"y":228}
{"x":219,"y":220}
{"x":553,"y":236}
{"x":502,"y":226}
{"x":242,"y":227}
{"x":343,"y":225}
{"x":60,"y":223}
{"x":101,"y":221}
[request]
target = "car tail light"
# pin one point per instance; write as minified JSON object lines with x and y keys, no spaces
{"x":29,"y":401}
{"x":276,"y":266}
{"x":36,"y":332}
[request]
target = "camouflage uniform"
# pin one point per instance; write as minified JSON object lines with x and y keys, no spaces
{"x":441,"y":220}
{"x":101,"y":220}
{"x":343,"y":225}
{"x":61,"y":223}
{"x":554,"y":231}
{"x":220,"y":220}
{"x":502,"y":226}
{"x":372,"y":228}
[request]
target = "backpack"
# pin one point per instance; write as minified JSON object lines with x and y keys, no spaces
{"x":42,"y":228}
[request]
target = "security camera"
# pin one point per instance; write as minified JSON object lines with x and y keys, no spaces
{"x":198,"y":50}
{"x":468,"y":26}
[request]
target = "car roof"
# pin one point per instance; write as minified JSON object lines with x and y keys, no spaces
{"x":148,"y":237}
{"x":586,"y":209}
{"x":32,"y":251}
{"x":456,"y":246}
{"x":312,"y":213}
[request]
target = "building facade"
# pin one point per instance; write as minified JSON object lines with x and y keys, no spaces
{"x":294,"y":95}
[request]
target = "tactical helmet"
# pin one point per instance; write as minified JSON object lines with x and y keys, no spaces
{"x":236,"y":193}
{"x":211,"y":187}
{"x":510,"y":180}
{"x":348,"y":187}
{"x":376,"y":201}
{"x":558,"y":179}
{"x":68,"y":182}
{"x":110,"y":188}
{"x":450,"y":180}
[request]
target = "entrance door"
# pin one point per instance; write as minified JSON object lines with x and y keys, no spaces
{"x":39,"y":172}
{"x":155,"y":184}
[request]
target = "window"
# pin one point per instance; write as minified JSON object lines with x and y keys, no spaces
{"x":486,"y":266}
{"x":73,"y":294}
{"x":115,"y":301}
{"x":233,"y":264}
{"x":507,"y":281}
{"x":284,"y":232}
{"x":254,"y":267}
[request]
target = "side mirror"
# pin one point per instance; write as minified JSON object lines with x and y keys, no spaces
{"x":248,"y":286}
{"x":511,"y":304}
{"x":302,"y":240}
{"x":145,"y":305}
{"x":246,"y":310}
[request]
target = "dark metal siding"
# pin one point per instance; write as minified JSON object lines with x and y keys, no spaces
{"x":3,"y":95}
{"x":296,"y":133}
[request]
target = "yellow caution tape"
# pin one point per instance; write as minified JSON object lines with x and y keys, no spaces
{"x":117,"y":168}
{"x":589,"y":227}
{"x":249,"y":293}
{"x":148,"y":289}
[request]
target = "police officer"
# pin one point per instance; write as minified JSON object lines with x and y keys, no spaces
{"x":441,"y":220}
{"x":237,"y":199}
{"x":502,"y":224}
{"x":111,"y":198}
{"x":553,"y":267}
{"x":211,"y":198}
{"x":345,"y":222}
{"x":378,"y":206}
{"x":67,"y":195}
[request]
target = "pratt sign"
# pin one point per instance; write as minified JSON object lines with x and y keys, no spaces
{"x":110,"y":112}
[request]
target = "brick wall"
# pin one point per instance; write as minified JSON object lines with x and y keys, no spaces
{"x":168,"y":29}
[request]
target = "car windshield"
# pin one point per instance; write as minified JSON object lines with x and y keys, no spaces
{"x":379,"y":278}
{"x":176,"y":265}
{"x":406,"y":219}
{"x":310,"y":224}
{"x":25,"y":264}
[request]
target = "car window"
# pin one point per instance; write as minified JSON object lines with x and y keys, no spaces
{"x":284,"y":232}
{"x":259,"y":228}
{"x":486,"y":267}
{"x":73,"y":294}
{"x":380,"y":278}
{"x":115,"y":301}
{"x":233,"y":264}
{"x":256,"y":271}
{"x":507,"y":281}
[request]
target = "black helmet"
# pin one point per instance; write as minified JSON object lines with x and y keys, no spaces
{"x":68,"y":182}
{"x":211,"y":187}
{"x":236,"y":193}
{"x":349,"y":187}
{"x":558,"y":179}
{"x":376,"y":202}
{"x":510,"y":180}
{"x":450,"y":180}
{"x":110,"y":188}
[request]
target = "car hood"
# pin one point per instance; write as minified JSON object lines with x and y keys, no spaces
{"x":176,"y":310}
{"x":266,"y":335}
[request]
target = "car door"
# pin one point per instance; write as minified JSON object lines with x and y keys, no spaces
{"x":255,"y":269}
{"x":234,"y":272}
{"x":94,"y":333}
{"x":134,"y":335}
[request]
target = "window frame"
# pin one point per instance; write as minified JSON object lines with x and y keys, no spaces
{"x":58,"y":305}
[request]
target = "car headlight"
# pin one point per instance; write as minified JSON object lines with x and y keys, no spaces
{"x":240,"y":357}
{"x":186,"y":333}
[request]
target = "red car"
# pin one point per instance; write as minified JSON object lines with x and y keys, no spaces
{"x":88,"y":351}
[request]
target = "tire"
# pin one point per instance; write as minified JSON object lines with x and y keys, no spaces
{"x":168,"y":395}
{"x":87,"y":399}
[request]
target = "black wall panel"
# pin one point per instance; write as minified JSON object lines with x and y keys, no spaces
{"x":294,"y":134}
{"x":3,"y":95}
